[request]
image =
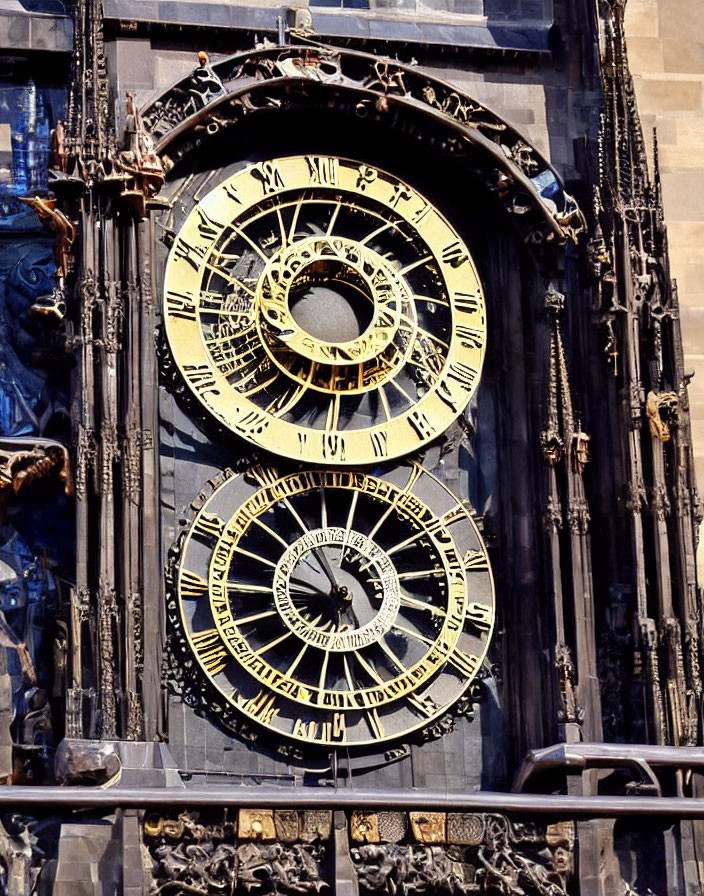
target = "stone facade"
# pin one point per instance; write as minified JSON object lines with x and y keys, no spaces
{"x":666,"y":54}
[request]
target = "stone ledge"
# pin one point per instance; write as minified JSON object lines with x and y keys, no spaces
{"x":23,"y":32}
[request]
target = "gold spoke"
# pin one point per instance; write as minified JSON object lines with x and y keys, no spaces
{"x":256,"y":557}
{"x":415,"y":604}
{"x":415,"y":264}
{"x":421,"y":573}
{"x":282,"y":229}
{"x":294,"y":222}
{"x":402,"y":391}
{"x":370,"y":236}
{"x":391,"y":655}
{"x":333,"y":219}
{"x":348,"y":527}
{"x":257,"y":248}
{"x":261,"y":386}
{"x":228,"y":277}
{"x":272,"y":644}
{"x":255,"y":617}
{"x":431,"y":299}
{"x":289,"y":400}
{"x":384,"y":402}
{"x":294,"y":665}
{"x":270,"y":531}
{"x":348,"y":673}
{"x":408,"y":487}
{"x":436,"y":339}
{"x":404,"y":544}
{"x":249,"y":589}
{"x":370,"y":670}
{"x":412,"y":634}
{"x":323,"y":509}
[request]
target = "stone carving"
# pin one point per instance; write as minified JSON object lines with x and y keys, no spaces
{"x":580,"y":451}
{"x":86,"y":762}
{"x":488,"y":856}
{"x":141,"y":168}
{"x":25,"y":461}
{"x":64,"y":229}
{"x":662,"y":409}
{"x":207,"y":853}
{"x":190,"y":95}
{"x":428,"y":827}
{"x":280,"y":869}
{"x":364,"y":827}
{"x":570,"y":710}
{"x":15,"y":860}
{"x":257,"y":824}
{"x":515,"y":162}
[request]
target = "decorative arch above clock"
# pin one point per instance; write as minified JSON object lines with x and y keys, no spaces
{"x":215,"y":97}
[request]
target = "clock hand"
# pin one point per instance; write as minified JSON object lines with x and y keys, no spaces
{"x":302,"y":586}
{"x":325,"y":566}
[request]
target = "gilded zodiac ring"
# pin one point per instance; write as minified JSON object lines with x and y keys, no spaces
{"x":354,"y":244}
{"x":335,"y":606}
{"x":368,"y":556}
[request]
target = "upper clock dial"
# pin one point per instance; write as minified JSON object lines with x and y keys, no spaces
{"x":325,"y":311}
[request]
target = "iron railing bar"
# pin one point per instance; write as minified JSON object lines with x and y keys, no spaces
{"x":52,"y":798}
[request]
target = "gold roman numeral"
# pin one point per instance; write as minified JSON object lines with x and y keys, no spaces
{"x":192,"y":586}
{"x":210,"y":651}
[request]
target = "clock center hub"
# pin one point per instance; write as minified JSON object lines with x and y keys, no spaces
{"x":327,"y":586}
{"x":330,"y":300}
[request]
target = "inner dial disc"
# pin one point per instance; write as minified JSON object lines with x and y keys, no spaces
{"x":324,"y":310}
{"x":336,"y":607}
{"x":358,"y":609}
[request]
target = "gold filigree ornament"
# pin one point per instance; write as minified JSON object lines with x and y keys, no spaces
{"x":324,"y":310}
{"x":336,"y":607}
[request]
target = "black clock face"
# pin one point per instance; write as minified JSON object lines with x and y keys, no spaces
{"x":335,"y":608}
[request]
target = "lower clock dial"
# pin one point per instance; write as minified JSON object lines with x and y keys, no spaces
{"x":335,"y":608}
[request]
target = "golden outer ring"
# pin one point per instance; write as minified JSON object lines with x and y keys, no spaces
{"x":420,"y":424}
{"x":346,"y":480}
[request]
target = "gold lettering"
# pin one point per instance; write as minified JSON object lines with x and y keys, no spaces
{"x":209,"y":525}
{"x":322,"y":170}
{"x":181,"y":305}
{"x":201,"y":378}
{"x":210,"y":651}
{"x":191,"y":585}
{"x":480,"y":615}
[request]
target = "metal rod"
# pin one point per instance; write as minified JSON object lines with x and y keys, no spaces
{"x":333,"y":798}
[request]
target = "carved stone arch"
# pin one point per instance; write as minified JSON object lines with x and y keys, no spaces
{"x":218,"y":96}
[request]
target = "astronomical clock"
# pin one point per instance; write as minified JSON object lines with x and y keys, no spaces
{"x":324,"y":328}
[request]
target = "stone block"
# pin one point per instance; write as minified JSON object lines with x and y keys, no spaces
{"x":668,"y":94}
{"x":683,"y":191}
{"x":136,"y":64}
{"x":645,"y":54}
{"x":14,"y":31}
{"x":520,"y":117}
{"x":692,"y":319}
{"x":50,"y":33}
{"x":686,"y":56}
{"x":642,"y":18}
{"x":681,"y":16}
